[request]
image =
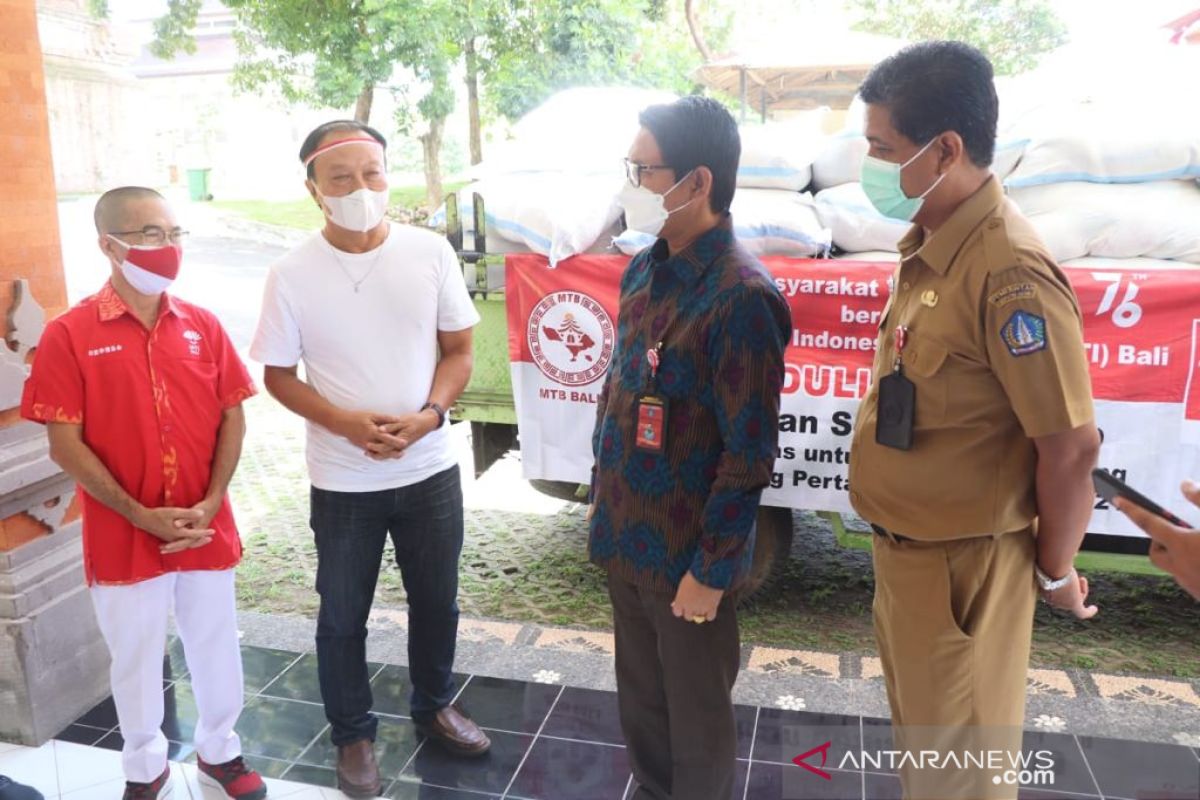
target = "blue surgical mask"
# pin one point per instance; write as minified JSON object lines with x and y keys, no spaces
{"x":881,"y":183}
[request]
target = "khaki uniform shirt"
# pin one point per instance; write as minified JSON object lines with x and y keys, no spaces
{"x":995,"y":349}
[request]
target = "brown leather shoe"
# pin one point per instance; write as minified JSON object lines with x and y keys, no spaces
{"x":454,"y":730}
{"x":357,"y":772}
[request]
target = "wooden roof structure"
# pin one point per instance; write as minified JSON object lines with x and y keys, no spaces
{"x":813,"y":71}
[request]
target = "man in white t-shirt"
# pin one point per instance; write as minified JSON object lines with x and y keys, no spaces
{"x":380,"y":315}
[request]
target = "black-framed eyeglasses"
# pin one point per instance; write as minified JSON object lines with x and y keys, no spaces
{"x":634,"y":170}
{"x":154,"y":235}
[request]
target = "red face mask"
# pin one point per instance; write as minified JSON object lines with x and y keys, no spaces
{"x":151,"y":270}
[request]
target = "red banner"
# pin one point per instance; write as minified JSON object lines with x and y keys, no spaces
{"x":1141,"y":331}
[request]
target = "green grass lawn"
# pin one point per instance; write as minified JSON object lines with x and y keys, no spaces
{"x":304,"y":213}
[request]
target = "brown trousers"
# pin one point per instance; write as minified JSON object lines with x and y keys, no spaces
{"x":954,"y":621}
{"x":674,"y":684}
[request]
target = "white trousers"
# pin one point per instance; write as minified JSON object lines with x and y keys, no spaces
{"x":133,"y":620}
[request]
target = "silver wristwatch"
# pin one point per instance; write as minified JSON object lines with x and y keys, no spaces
{"x":1048,"y":584}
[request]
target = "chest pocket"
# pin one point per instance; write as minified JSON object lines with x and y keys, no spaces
{"x":925,"y":364}
{"x":195,"y":376}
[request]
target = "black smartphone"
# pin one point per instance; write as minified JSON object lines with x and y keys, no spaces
{"x":1110,"y":487}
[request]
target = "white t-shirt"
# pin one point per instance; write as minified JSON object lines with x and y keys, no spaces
{"x":371,"y":350}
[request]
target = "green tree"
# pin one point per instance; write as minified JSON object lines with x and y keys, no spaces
{"x":338,"y":52}
{"x":552,"y":45}
{"x":1013,"y":33}
{"x":515,"y":52}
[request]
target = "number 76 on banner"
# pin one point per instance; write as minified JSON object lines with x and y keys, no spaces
{"x":1127,"y":313}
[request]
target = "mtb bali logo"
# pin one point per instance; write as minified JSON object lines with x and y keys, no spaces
{"x":571,"y":338}
{"x":193,"y":340}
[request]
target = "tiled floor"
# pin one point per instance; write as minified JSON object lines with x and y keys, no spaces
{"x":549,"y":743}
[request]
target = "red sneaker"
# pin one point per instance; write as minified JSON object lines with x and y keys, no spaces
{"x":157,"y":789}
{"x":234,"y":778}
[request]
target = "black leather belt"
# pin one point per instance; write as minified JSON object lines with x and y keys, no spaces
{"x":885,"y":533}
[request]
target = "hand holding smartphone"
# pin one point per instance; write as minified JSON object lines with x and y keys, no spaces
{"x":1110,"y":487}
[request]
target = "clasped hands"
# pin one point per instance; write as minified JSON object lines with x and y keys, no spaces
{"x":384,"y":436}
{"x":179,"y":528}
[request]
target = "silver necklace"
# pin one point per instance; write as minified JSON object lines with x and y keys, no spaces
{"x":357,"y":283}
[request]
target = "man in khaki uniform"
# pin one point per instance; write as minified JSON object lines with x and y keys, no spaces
{"x":972,"y":450}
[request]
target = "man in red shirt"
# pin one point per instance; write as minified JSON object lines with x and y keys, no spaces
{"x":141,"y":396}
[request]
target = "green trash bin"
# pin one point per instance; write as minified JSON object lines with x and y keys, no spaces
{"x":198,"y":184}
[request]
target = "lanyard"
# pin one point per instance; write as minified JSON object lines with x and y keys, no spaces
{"x":654,"y":354}
{"x":900,"y":340}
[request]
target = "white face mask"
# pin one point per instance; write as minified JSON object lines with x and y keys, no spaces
{"x":646,"y":211}
{"x":360,"y":211}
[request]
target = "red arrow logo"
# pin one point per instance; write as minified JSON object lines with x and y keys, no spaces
{"x":801,"y":760}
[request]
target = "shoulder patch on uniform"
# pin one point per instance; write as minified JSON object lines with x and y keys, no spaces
{"x":1024,"y":333}
{"x":1012,"y":293}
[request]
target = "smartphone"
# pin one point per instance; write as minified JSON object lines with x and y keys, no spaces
{"x":1110,"y":487}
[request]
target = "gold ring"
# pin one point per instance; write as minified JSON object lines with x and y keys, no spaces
{"x":699,"y":620}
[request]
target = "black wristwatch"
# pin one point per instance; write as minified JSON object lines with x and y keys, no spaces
{"x":441,"y":412}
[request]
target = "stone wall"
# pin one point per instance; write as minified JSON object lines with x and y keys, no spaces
{"x":102,"y":125}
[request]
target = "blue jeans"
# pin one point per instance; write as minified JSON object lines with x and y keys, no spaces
{"x":425,"y":521}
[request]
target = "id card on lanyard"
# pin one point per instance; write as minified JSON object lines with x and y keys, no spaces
{"x":897,"y":402}
{"x":652,"y":408}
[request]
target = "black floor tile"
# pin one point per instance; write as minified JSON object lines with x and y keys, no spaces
{"x":317,"y":776}
{"x":740,"y":776}
{"x":507,"y":705}
{"x":882,"y":787}
{"x":1071,"y":772}
{"x":412,"y":789}
{"x":556,"y":769}
{"x":175,"y":664}
{"x":112,"y":741}
{"x":392,"y":688}
{"x":180,"y":714}
{"x":1142,"y":770}
{"x":81,"y":735}
{"x":278,"y":728}
{"x":297,"y":682}
{"x":395,"y":742}
{"x":746,"y":717}
{"x":102,"y":715}
{"x":261,"y":665}
{"x":300,"y":680}
{"x":587,"y":715}
{"x":267,"y":767}
{"x":877,"y":738}
{"x":784,"y":735}
{"x":787,"y":782}
{"x":739,"y":780}
{"x":488,"y":773}
{"x":176,"y":751}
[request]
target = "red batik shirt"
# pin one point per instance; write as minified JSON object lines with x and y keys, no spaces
{"x":150,"y":403}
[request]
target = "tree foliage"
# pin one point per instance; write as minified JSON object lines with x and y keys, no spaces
{"x":1013,"y":33}
{"x":551,"y":45}
{"x":173,"y":30}
{"x":514,"y":53}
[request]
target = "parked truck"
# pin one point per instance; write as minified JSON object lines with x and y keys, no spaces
{"x":488,"y":406}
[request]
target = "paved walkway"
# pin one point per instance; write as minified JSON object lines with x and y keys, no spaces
{"x":544,"y":696}
{"x":1074,"y":701}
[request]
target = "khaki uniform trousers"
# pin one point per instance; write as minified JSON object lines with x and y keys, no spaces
{"x":954,"y":620}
